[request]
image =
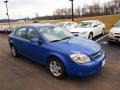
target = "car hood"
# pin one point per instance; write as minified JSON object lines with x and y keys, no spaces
{"x":79,"y":29}
{"x":77,"y":45}
{"x":115,"y":30}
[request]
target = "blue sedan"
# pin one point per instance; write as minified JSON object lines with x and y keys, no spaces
{"x":59,"y":50}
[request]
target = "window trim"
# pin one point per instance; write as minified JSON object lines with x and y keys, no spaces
{"x":19,"y":29}
{"x":28,"y":31}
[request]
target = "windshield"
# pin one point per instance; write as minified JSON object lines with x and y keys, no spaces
{"x":117,"y":24}
{"x":53,"y":34}
{"x":84,"y":25}
{"x":60,"y":24}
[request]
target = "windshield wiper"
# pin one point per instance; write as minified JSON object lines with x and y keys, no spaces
{"x":62,"y":39}
{"x":67,"y":38}
{"x":55,"y":40}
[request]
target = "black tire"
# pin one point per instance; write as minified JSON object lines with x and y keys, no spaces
{"x":14,"y":51}
{"x":110,"y":42}
{"x":90,"y":36}
{"x":59,"y":74}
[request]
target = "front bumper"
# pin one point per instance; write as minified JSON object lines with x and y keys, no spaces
{"x":91,"y":69}
{"x":85,"y":36}
{"x":87,"y":69}
{"x":115,"y":38}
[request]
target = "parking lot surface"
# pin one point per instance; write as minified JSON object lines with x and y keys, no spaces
{"x":23,"y":74}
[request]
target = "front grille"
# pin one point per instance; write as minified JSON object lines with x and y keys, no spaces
{"x":75,"y":33}
{"x":117,"y":36}
{"x":97,"y":55}
{"x":117,"y":33}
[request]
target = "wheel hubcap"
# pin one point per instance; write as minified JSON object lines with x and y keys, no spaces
{"x":55,"y":68}
{"x":13,"y":51}
{"x":103,"y":32}
{"x":90,"y":37}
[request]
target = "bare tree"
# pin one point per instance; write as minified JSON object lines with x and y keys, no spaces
{"x":65,"y":12}
{"x":117,"y":5}
{"x":110,"y":7}
{"x":85,"y":10}
{"x":78,"y":11}
{"x":37,"y":16}
{"x":57,"y":12}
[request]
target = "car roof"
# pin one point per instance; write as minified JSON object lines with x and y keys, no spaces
{"x":39,"y":25}
{"x":91,"y":21}
{"x":67,"y":22}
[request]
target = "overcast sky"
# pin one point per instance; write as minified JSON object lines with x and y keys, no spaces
{"x":27,"y":8}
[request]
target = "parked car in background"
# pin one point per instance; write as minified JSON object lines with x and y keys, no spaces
{"x":5,"y":30}
{"x":8,"y":30}
{"x":114,"y":33}
{"x":58,"y":49}
{"x":89,"y":29}
{"x":2,"y":29}
{"x":67,"y":25}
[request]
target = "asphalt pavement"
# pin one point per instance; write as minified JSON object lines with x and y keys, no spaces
{"x":23,"y":74}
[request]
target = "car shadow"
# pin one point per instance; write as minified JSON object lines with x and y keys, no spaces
{"x":99,"y":36}
{"x":42,"y":67}
{"x":114,"y":44}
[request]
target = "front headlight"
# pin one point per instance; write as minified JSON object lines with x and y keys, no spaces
{"x":80,"y":58}
{"x":111,"y":32}
{"x":83,"y":32}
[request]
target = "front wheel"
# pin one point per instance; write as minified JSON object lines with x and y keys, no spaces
{"x":103,"y":31}
{"x":56,"y":68}
{"x":13,"y":51}
{"x":90,"y":36}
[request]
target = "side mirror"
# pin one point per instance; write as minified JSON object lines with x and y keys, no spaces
{"x":36,"y":41}
{"x":112,"y":25}
{"x":95,"y":26}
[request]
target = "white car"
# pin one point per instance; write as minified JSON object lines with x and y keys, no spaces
{"x":114,"y":33}
{"x":67,"y":25}
{"x":89,"y":29}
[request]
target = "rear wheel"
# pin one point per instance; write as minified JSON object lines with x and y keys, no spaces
{"x":56,"y":68}
{"x":90,"y":36}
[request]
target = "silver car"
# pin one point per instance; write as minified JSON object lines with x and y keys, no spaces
{"x":114,"y":33}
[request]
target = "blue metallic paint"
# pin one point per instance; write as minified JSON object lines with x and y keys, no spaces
{"x":62,"y":50}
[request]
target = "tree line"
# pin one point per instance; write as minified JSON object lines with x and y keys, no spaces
{"x":111,"y":7}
